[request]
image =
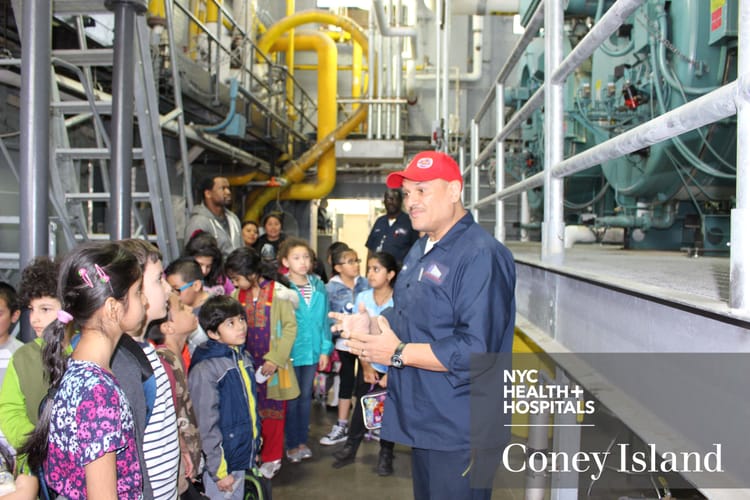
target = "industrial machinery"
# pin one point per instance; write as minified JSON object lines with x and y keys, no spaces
{"x":672,"y":195}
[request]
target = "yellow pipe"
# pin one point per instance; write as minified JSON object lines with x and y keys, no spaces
{"x":356,"y":72}
{"x":157,"y":13}
{"x":291,"y":115}
{"x":295,"y":171}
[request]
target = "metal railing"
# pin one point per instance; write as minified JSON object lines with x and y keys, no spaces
{"x":265,"y":91}
{"x":721,"y":103}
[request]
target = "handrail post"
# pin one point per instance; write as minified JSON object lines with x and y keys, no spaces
{"x":474,"y":152}
{"x":500,"y":163}
{"x":553,"y":226}
{"x":739,"y":252}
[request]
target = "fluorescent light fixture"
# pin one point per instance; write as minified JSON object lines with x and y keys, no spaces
{"x":332,"y":4}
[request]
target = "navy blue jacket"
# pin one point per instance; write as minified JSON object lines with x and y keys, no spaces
{"x":459,"y":299}
{"x":229,"y":432}
{"x":394,"y":239}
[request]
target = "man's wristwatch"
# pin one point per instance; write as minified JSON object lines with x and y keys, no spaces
{"x":396,"y":360}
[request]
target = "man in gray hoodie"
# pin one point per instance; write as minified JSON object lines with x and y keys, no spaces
{"x":213,"y":215}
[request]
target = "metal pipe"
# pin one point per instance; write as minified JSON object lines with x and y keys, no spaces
{"x":534,"y":102}
{"x":739,"y":252}
{"x":525,"y":215}
{"x":385,"y":27}
{"x":553,"y":227}
{"x":499,"y":165}
{"x":122,"y":120}
{"x":474,"y":151}
{"x":381,"y":86}
{"x":601,"y":31}
{"x":187,"y":169}
{"x":399,"y":79}
{"x":371,"y":65}
{"x":474,"y":189}
{"x":515,"y":55}
{"x":446,"y":69}
{"x":35,"y":131}
{"x":697,"y":113}
{"x":438,"y":58}
{"x":477,"y":47}
{"x":388,"y":79}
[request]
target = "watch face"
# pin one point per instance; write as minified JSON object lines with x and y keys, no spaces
{"x":396,"y":361}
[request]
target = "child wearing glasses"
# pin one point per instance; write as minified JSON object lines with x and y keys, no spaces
{"x":342,"y":290}
{"x":185,"y":277}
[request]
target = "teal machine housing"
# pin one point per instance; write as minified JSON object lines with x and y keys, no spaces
{"x":672,"y":195}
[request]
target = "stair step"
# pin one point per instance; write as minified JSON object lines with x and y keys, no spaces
{"x":79,"y":7}
{"x":85,"y":57}
{"x":92,"y":153}
{"x":78,"y":107}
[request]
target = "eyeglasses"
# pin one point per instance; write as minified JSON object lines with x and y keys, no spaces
{"x":350,"y":262}
{"x":184,"y":287}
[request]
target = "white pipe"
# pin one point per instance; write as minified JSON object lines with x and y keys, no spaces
{"x":485,"y":7}
{"x":446,"y":71}
{"x":477,"y":29}
{"x":578,"y":234}
{"x":385,"y":27}
{"x":438,"y":59}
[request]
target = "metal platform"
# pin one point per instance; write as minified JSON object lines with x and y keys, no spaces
{"x":607,"y":300}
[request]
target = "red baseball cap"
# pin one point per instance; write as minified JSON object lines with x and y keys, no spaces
{"x":426,"y":166}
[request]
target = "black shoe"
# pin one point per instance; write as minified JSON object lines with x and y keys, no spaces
{"x":345,"y":455}
{"x":385,"y":463}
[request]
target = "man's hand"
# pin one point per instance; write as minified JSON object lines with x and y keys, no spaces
{"x":374,"y":348}
{"x":357,"y":322}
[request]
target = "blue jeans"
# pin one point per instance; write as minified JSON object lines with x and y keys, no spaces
{"x":298,"y":410}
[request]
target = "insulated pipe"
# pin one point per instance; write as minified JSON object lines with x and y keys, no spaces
{"x":356,"y":73}
{"x":739,"y":252}
{"x":438,"y":58}
{"x":385,"y":27}
{"x":477,"y":47}
{"x":34,"y":144}
{"x":295,"y":171}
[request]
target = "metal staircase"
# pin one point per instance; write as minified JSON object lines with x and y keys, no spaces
{"x":80,"y":176}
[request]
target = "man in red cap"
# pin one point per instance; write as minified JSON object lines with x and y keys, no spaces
{"x":454,"y":297}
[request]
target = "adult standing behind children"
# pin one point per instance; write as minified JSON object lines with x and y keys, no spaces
{"x":214,"y":215}
{"x":271,"y":330}
{"x":268,"y":244}
{"x":454,"y":297}
{"x":392,"y":233}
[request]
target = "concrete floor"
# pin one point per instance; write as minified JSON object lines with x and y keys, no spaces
{"x":316,"y":479}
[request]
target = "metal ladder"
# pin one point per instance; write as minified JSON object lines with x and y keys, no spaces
{"x":72,"y":204}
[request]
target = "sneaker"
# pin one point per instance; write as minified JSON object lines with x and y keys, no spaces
{"x":294,"y":455}
{"x":304,"y":452}
{"x":338,"y":434}
{"x":269,"y":469}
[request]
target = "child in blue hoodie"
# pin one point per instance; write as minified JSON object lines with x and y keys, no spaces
{"x":313,"y":343}
{"x":223,"y":391}
{"x":343,"y":289}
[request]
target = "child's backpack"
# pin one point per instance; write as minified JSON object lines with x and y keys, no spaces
{"x":257,"y":487}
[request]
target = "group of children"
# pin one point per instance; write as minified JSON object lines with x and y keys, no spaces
{"x":141,"y":375}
